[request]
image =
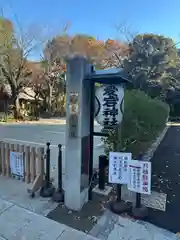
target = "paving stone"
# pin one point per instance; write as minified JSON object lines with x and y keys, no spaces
{"x":104,"y":225}
{"x":97,"y":229}
{"x":129,"y":229}
{"x":1,"y":238}
{"x":13,"y":219}
{"x":110,"y":215}
{"x":4,"y":205}
{"x":102,"y":237}
{"x":120,"y":233}
{"x":156,"y":231}
{"x":15,"y":191}
{"x":156,"y":200}
{"x":75,"y":235}
{"x":116,"y":233}
{"x":40,"y":228}
{"x":158,"y":236}
{"x":103,"y":219}
{"x":125,"y":222}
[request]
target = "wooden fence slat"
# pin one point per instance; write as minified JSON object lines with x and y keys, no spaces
{"x":27,"y":164}
{"x":33,"y":163}
{"x":7,"y":159}
{"x":15,"y":149}
{"x":40,"y":159}
{"x":1,"y":155}
{"x":0,"y":159}
{"x":39,"y":163}
{"x":3,"y":164}
{"x":12,"y":149}
{"x":21,"y":150}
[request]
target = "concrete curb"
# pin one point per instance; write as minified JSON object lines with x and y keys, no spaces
{"x":60,"y":122}
{"x":40,"y":122}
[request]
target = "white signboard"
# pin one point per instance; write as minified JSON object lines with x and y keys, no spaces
{"x":139,"y":177}
{"x":118,"y":167}
{"x":109,"y":105}
{"x":17,"y":164}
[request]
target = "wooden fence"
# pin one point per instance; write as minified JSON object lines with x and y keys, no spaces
{"x":32,"y":162}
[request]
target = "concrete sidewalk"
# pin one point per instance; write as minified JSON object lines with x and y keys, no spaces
{"x":17,"y":223}
{"x":113,"y":227}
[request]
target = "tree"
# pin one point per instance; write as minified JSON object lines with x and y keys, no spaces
{"x":151,"y":57}
{"x":53,"y":74}
{"x":116,"y":52}
{"x":89,"y":47}
{"x":57,"y":48}
{"x":13,"y":62}
{"x":63,"y":46}
{"x":48,"y":81}
{"x":6,"y":38}
{"x":54,"y":61}
{"x":148,"y":61}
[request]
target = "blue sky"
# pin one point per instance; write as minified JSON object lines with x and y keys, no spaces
{"x":97,"y":17}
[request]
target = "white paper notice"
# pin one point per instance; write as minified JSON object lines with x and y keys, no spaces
{"x":118,"y":167}
{"x":17,"y":163}
{"x":139,"y":177}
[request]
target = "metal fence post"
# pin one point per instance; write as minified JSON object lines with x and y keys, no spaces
{"x":139,"y":211}
{"x":119,"y":206}
{"x":58,"y":196}
{"x":138,"y":195}
{"x":48,"y":164}
{"x":102,"y":173}
{"x":47,"y":189}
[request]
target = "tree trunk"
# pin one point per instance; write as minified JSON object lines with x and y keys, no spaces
{"x":17,"y":113}
{"x":6,"y":109}
{"x":50,"y":98}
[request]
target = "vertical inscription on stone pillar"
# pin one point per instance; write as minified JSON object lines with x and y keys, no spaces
{"x":74,"y":111}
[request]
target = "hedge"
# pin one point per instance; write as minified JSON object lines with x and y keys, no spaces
{"x":144,"y":119}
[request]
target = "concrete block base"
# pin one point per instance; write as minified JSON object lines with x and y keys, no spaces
{"x":104,"y":192}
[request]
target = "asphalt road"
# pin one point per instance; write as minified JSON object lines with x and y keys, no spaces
{"x":166,"y":179}
{"x":39,"y":135}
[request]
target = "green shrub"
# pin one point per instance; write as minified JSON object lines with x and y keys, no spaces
{"x":144,"y":119}
{"x":6,"y":117}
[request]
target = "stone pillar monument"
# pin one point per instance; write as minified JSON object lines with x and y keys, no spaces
{"x":77,"y":133}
